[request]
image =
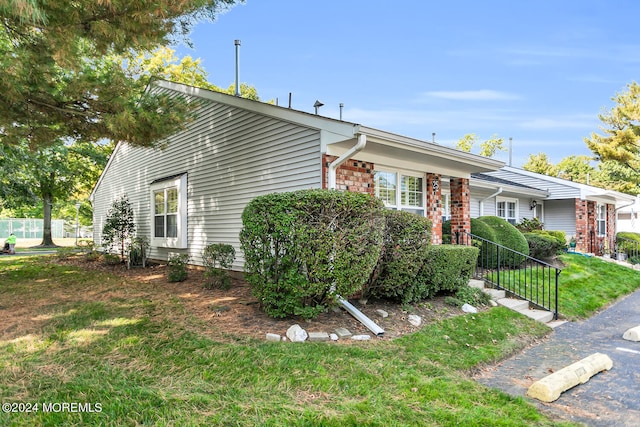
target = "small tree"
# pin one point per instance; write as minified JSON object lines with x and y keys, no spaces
{"x":119,"y":226}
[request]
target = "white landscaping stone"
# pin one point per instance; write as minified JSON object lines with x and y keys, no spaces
{"x":382,"y":313}
{"x":414,"y":319}
{"x":343,"y":333}
{"x":632,"y":334}
{"x":333,"y":337}
{"x":493,"y":303}
{"x":361,"y":337}
{"x":469,"y":308}
{"x":273,"y":337}
{"x":318,"y":336}
{"x":295,"y":333}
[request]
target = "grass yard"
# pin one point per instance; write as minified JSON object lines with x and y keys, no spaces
{"x":80,"y":336}
{"x":588,"y":284}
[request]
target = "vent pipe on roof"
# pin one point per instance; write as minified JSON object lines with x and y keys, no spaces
{"x":289,"y":99}
{"x":317,"y":105}
{"x":433,"y":137}
{"x":510,"y":150}
{"x":237,"y":43}
{"x":341,"y":107}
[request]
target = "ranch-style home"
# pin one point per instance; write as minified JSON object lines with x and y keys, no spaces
{"x":587,"y":213}
{"x":192,"y":192}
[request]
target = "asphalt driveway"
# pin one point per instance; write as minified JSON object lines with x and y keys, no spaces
{"x":610,"y":398}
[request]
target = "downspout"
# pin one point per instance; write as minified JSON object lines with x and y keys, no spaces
{"x":333,"y":167}
{"x":362,"y":142}
{"x":500,"y":190}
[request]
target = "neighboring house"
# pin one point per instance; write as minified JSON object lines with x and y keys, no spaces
{"x":192,"y":192}
{"x":628,"y":217}
{"x":582,"y":211}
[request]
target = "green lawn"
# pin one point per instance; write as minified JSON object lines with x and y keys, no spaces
{"x":76,"y":335}
{"x":588,"y":284}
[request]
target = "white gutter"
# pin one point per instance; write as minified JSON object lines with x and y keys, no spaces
{"x":500,"y":190}
{"x":370,"y":324}
{"x":333,"y":167}
{"x":362,"y":142}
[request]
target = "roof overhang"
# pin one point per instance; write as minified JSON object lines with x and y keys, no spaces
{"x":508,"y":190}
{"x":392,"y":150}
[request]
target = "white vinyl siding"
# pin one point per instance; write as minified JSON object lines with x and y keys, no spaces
{"x":560,"y":215}
{"x":230,"y":155}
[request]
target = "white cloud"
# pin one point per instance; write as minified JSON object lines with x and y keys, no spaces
{"x":473,"y":95}
{"x":561,"y":122}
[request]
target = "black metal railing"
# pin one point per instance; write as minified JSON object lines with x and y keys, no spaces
{"x":521,"y":275}
{"x":631,"y":248}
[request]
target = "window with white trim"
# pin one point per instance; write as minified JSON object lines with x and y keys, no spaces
{"x":601,"y":220}
{"x":507,"y":209}
{"x":169,"y":212}
{"x":409,"y":197}
{"x":446,"y":207}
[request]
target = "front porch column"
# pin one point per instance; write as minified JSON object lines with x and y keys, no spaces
{"x":434,"y":206}
{"x":586,"y":226}
{"x":593,"y":244}
{"x":460,"y":208}
{"x":611,"y":227}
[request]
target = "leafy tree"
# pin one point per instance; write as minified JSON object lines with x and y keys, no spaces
{"x":119,"y":226}
{"x":539,"y":163}
{"x":620,"y":141}
{"x":576,"y":168}
{"x":62,"y":76}
{"x":488,"y":148}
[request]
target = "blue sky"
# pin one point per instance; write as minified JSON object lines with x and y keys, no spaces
{"x":539,"y":72}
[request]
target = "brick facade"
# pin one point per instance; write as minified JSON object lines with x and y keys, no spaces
{"x":587,"y":239}
{"x":460,"y":207}
{"x":352,"y":175}
{"x":434,"y":206}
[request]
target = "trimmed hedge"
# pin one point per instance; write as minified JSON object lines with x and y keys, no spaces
{"x":628,"y":247}
{"x":407,"y":239}
{"x":302,"y":247}
{"x":509,"y":236}
{"x":558,"y":236}
{"x":447,"y":268}
{"x":542,"y":246}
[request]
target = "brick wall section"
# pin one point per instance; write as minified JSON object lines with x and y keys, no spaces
{"x":352,"y":175}
{"x":434,"y":206}
{"x":611,"y":226}
{"x":587,"y":227}
{"x":460,"y":206}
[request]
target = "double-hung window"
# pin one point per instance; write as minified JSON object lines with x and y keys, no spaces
{"x":601,"y":219}
{"x":507,"y":209}
{"x":169,"y":212}
{"x":401,"y":191}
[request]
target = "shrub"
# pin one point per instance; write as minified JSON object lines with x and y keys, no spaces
{"x":446,"y":268}
{"x":542,"y":246}
{"x":303,"y":247}
{"x":529,"y":225}
{"x":509,"y":236}
{"x":177,"y":271}
{"x":217,"y":258}
{"x":468,"y":295}
{"x":111,"y":259}
{"x":558,"y":236}
{"x":118,"y":226}
{"x":88,"y":249}
{"x":407,"y":238}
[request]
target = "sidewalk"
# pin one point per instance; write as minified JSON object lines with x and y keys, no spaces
{"x":610,"y":398}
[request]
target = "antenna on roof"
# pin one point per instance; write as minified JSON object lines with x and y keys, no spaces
{"x":317,"y":105}
{"x":237,"y":43}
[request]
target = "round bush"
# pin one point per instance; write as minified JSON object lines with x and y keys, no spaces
{"x":303,"y":247}
{"x":509,"y":236}
{"x":542,"y":246}
{"x":446,"y":268}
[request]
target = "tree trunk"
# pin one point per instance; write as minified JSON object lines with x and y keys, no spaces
{"x":47,"y":201}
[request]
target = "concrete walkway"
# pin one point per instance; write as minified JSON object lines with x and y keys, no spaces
{"x":611,"y":398}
